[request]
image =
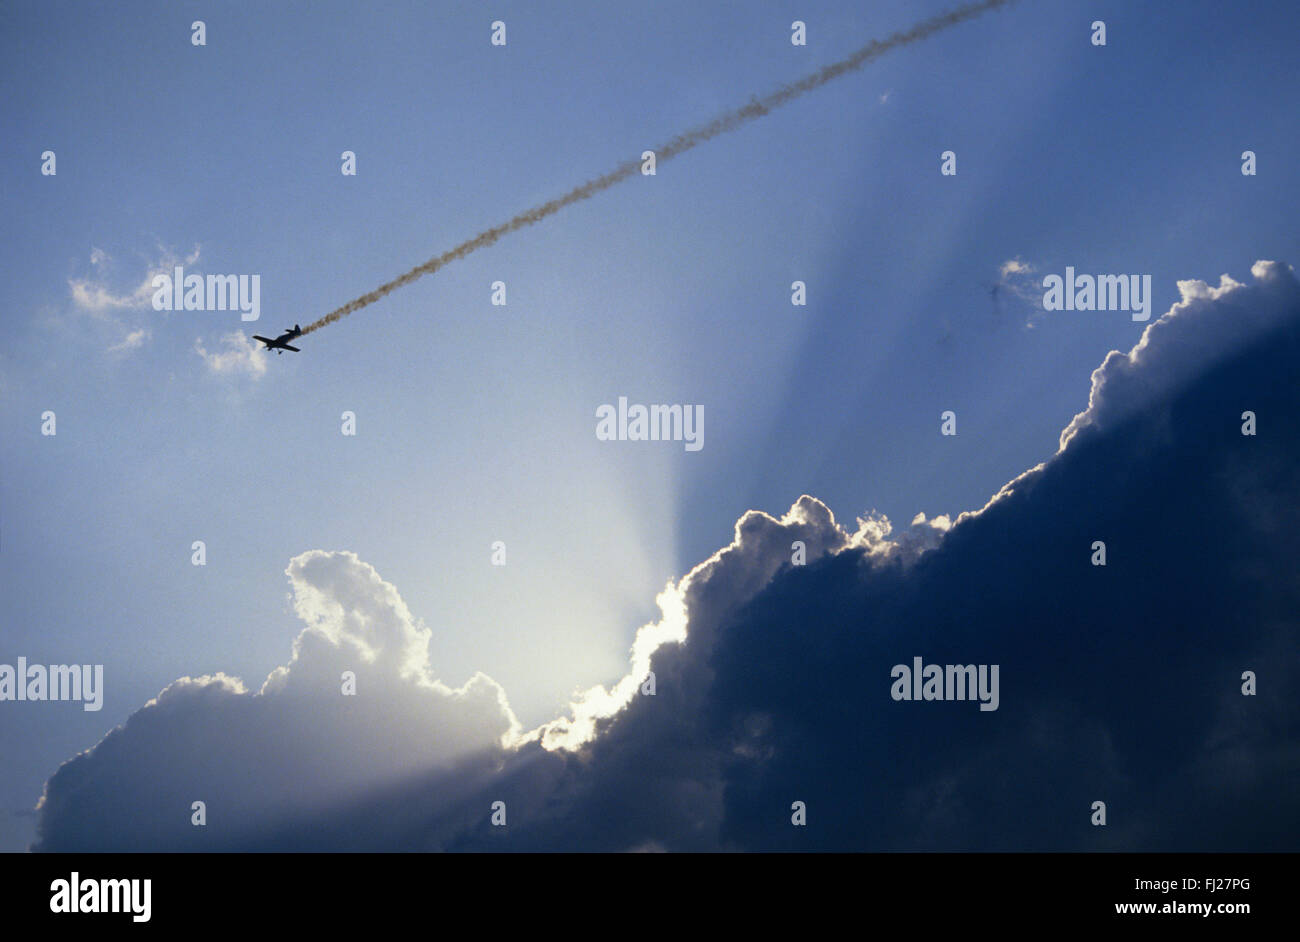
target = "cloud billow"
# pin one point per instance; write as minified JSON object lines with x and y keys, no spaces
{"x":296,"y":747}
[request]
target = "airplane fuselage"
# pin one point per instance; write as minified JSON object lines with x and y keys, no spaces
{"x":281,"y":343}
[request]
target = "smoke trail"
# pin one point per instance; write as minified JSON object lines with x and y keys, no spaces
{"x":729,"y":121}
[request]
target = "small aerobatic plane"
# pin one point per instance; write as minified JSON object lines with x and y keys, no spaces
{"x":281,"y":343}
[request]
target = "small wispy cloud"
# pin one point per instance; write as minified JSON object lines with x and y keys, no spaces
{"x":120,"y":305}
{"x":1016,"y":283}
{"x":97,"y":295}
{"x":96,"y":298}
{"x":239,"y":355}
{"x":1014,"y":266}
{"x":132,"y":341}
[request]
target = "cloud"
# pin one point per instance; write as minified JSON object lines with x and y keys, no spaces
{"x":762,"y":545}
{"x":1014,"y":266}
{"x":97,"y":296}
{"x":119,"y":310}
{"x":132,"y":341}
{"x":1207,"y":321}
{"x":293,"y":747}
{"x":241,"y":354}
{"x":1016,"y":282}
{"x":1119,"y":683}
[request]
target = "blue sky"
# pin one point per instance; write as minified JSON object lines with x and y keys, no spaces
{"x":475,"y":422}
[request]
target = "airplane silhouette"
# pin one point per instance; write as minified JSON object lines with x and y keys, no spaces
{"x":281,"y":343}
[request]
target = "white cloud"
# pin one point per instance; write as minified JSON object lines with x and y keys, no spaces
{"x":298,"y":744}
{"x":241,"y":354}
{"x":1207,"y":324}
{"x":97,"y":296}
{"x":1014,"y":266}
{"x":1016,"y":281}
{"x":132,"y":341}
{"x":123,"y":312}
{"x":761,"y":547}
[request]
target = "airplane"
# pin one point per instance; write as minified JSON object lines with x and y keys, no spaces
{"x":281,"y":343}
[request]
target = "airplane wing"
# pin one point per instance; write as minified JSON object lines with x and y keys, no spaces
{"x":265,"y":340}
{"x":287,"y":347}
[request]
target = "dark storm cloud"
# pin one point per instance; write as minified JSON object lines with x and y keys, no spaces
{"x":1119,"y":683}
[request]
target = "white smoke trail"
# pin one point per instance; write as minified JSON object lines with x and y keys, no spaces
{"x":728,"y":121}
